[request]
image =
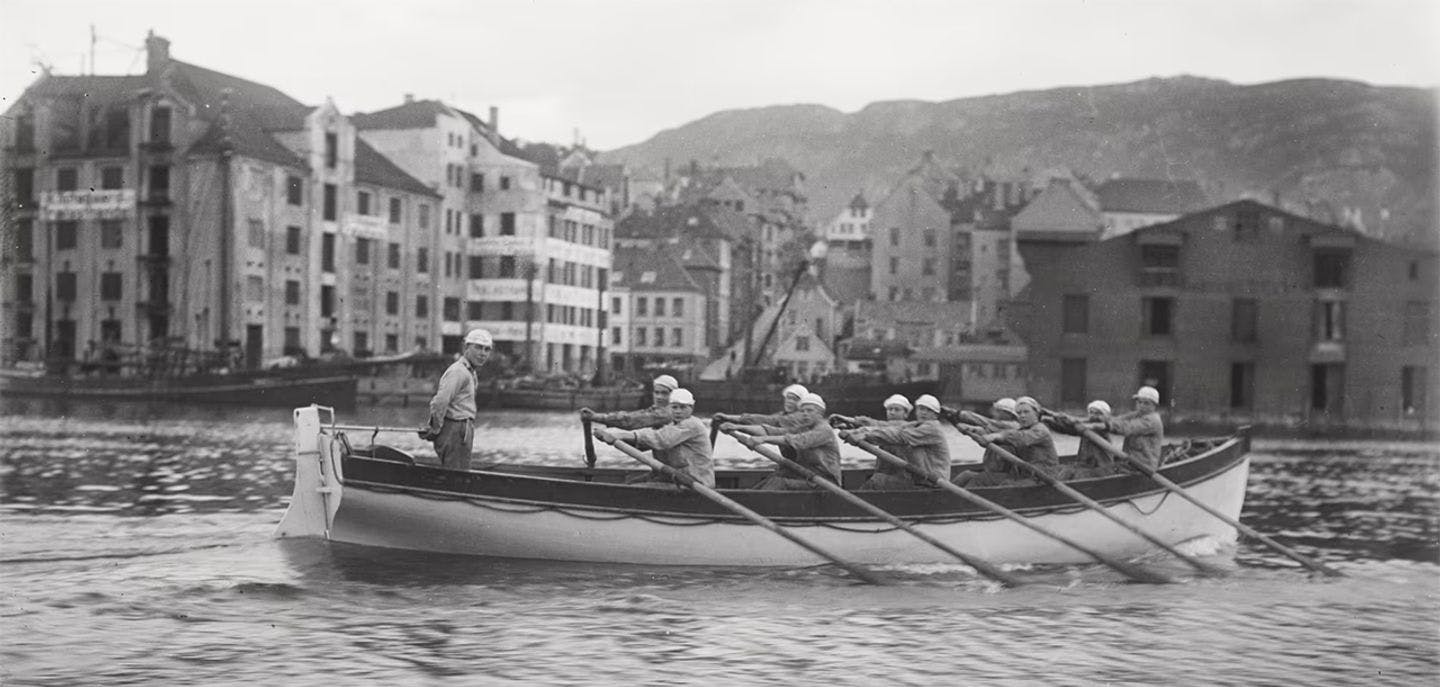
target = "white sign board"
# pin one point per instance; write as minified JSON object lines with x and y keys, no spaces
{"x":63,"y":205}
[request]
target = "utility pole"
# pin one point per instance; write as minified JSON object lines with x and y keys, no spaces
{"x":530,"y":269}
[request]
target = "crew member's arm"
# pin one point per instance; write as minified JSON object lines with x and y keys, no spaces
{"x":1135,"y":423}
{"x":666,"y":437}
{"x":818,"y":435}
{"x":909,"y":433}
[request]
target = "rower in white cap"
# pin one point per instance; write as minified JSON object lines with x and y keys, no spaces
{"x":925,"y":446}
{"x":993,"y":468}
{"x":656,"y":415}
{"x":683,"y":444}
{"x":889,"y":477}
{"x":1090,"y":460}
{"x":789,"y":412}
{"x":452,"y":411}
{"x":814,"y":442}
{"x":1142,"y":428}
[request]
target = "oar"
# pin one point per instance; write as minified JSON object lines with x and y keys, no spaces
{"x":1176,"y":489}
{"x":589,"y":443}
{"x":714,"y":431}
{"x":730,"y":505}
{"x":1133,"y":572}
{"x":1090,"y":503}
{"x":986,"y":568}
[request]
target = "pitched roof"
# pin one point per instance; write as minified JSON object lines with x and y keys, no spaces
{"x":648,"y":269}
{"x":1063,"y":211}
{"x":94,"y":88}
{"x":673,"y":221}
{"x":859,"y":202}
{"x":371,"y":167}
{"x":1159,"y":196}
{"x":417,"y":114}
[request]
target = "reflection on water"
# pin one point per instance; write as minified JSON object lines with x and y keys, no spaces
{"x":136,"y":549}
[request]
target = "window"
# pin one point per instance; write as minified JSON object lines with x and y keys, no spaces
{"x":504,"y":183}
{"x":474,"y":310}
{"x":1158,"y":316}
{"x":894,"y":236}
{"x":894,"y":293}
{"x":66,"y":234}
{"x":1329,"y":320}
{"x":615,"y":336}
{"x":394,"y":210}
{"x":802,"y":343}
{"x":422,"y":259}
{"x":110,"y":286}
{"x":477,"y":182}
{"x":24,"y":287}
{"x":294,"y":192}
{"x":927,"y":266}
{"x":676,"y":338}
{"x":256,"y":233}
{"x":112,"y":178}
{"x":507,"y":224}
{"x":160,"y":125}
{"x":1159,"y":265}
{"x":929,"y":238}
{"x":424,"y":219}
{"x":477,"y":226}
{"x":362,"y":202}
{"x":66,"y":179}
{"x":477,"y":267}
{"x":327,"y":301}
{"x":1327,"y":387}
{"x":642,"y":306}
{"x":1414,"y":270}
{"x":1157,"y":373}
{"x":659,"y":307}
{"x":677,"y":307}
{"x":392,"y":257}
{"x":65,"y":287}
{"x":1244,"y":320}
{"x":112,"y":233}
{"x":615,"y":305}
{"x":450,"y":309}
{"x":292,"y":240}
{"x":507,"y":267}
{"x":1075,"y":317}
{"x":330,"y":209}
{"x":362,"y":251}
{"x":422,"y":306}
{"x":159,"y":182}
{"x":362,"y":343}
{"x":1412,"y":390}
{"x":640,"y":336}
{"x":24,"y":185}
{"x":1417,"y":323}
{"x":894,"y":265}
{"x":1242,"y":385}
{"x":292,"y":292}
{"x":1331,"y":268}
{"x":327,"y":252}
{"x":659,"y":337}
{"x":332,"y":149}
{"x":1072,"y":381}
{"x":392,"y":302}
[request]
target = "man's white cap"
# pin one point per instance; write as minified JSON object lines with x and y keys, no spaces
{"x":1027,"y":401}
{"x":665,"y":382}
{"x":795,"y":390}
{"x":1005,"y":404}
{"x":683,"y":397}
{"x":1100,"y":406}
{"x":479,"y":337}
{"x":928,"y":402}
{"x":810,"y":399}
{"x":1148,"y":393}
{"x":898,"y":401}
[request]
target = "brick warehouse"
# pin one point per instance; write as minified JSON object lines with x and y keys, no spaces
{"x":1241,"y":311}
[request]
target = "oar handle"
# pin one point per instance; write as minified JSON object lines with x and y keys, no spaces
{"x":1093,"y":505}
{"x":1131,"y":571}
{"x":985,"y":568}
{"x":1178,"y":490}
{"x":734,"y":507}
{"x":589,"y":442}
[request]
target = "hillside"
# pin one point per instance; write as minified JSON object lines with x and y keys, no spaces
{"x":1342,"y":142}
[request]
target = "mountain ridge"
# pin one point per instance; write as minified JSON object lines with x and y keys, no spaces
{"x":1306,"y":140}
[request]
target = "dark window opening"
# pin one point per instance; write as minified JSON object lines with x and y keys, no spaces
{"x":1242,"y":385}
{"x":294,"y":191}
{"x":292,"y":240}
{"x":1158,"y":316}
{"x":66,"y":234}
{"x":327,"y":252}
{"x":332,"y":149}
{"x":1331,"y":268}
{"x":1076,"y":318}
{"x":331,"y":199}
{"x":160,"y":125}
{"x":112,"y":178}
{"x":1244,"y":320}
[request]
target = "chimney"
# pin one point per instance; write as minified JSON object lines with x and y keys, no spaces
{"x":495,"y":126}
{"x":157,"y":52}
{"x":409,"y":98}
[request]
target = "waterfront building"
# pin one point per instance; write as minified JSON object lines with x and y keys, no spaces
{"x":525,"y":250}
{"x":704,"y":241}
{"x":657,"y":314}
{"x":1241,"y":311}
{"x":848,"y":251}
{"x":187,"y":207}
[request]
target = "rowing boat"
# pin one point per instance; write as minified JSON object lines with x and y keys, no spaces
{"x":379,"y":496}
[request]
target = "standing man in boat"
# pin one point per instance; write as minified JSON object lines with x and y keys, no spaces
{"x":789,"y":411}
{"x":683,"y":444}
{"x":656,"y":415}
{"x":1142,"y":428}
{"x":993,"y":468}
{"x":813,"y":440}
{"x":925,"y":447}
{"x":452,"y":410}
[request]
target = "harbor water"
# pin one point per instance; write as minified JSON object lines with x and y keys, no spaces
{"x":136,"y":548}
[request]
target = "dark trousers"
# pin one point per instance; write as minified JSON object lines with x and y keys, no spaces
{"x":455,"y":443}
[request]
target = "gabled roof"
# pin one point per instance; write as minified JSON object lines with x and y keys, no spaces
{"x":104,"y":89}
{"x":371,"y":167}
{"x":1156,"y":196}
{"x":272,"y":108}
{"x":1063,"y":211}
{"x":506,"y":145}
{"x":417,"y":114}
{"x":649,"y":269}
{"x":859,"y":202}
{"x":1295,"y":223}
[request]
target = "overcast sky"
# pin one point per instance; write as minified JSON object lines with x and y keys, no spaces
{"x":622,"y":70}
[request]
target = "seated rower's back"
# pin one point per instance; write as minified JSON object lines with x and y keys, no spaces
{"x":684,"y":444}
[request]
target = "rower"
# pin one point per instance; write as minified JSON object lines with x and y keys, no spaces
{"x":814,"y":442}
{"x":925,"y":446}
{"x":656,"y":415}
{"x":1142,"y":428}
{"x":1091,"y":460}
{"x":1030,"y":442}
{"x":887,"y":476}
{"x":789,"y":411}
{"x":993,"y":468}
{"x":683,"y":444}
